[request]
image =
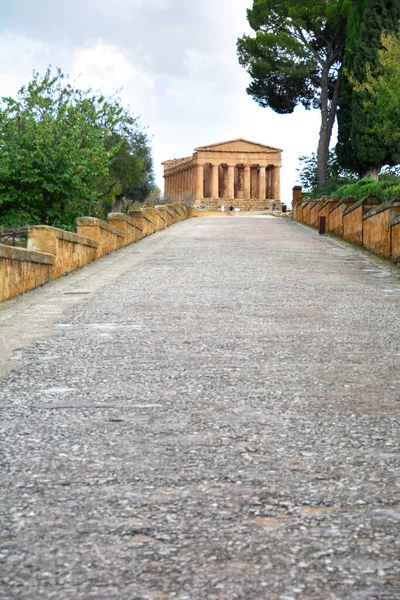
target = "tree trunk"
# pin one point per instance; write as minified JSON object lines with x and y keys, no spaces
{"x":328,"y":115}
{"x":324,"y":138}
{"x":373,"y":172}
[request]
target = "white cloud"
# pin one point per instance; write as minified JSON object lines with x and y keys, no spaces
{"x":175,"y":60}
{"x":106,"y":66}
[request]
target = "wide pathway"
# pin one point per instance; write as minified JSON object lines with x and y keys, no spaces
{"x":212,"y":413}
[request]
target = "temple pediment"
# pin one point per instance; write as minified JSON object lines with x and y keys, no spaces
{"x":238,"y":145}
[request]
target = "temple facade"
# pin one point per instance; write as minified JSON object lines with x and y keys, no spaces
{"x":239,"y":172}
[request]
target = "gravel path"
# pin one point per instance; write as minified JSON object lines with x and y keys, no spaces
{"x":220,"y":421}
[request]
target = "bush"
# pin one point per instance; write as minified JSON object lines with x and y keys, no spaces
{"x":386,"y":188}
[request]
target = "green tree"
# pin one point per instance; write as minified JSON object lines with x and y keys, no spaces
{"x":296,"y":58}
{"x":132,"y":169}
{"x":65,"y":152}
{"x":336,"y":175}
{"x":368,"y":115}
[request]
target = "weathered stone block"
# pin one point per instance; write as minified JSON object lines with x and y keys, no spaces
{"x":334,"y":222}
{"x":22,"y":270}
{"x":161,"y":216}
{"x":377,"y":227}
{"x":127,"y":225}
{"x":151,"y":216}
{"x":395,"y":241}
{"x":108,"y":238}
{"x":353,"y":219}
{"x":71,"y":251}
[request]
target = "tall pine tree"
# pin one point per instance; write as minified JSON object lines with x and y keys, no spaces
{"x":361,"y":147}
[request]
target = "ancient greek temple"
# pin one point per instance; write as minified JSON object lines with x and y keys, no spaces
{"x":239,"y":172}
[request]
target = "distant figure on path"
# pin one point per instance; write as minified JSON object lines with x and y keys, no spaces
{"x":231,"y":208}
{"x":223,"y":208}
{"x":273,"y":206}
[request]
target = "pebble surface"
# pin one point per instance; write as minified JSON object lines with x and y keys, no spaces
{"x":222,"y":421}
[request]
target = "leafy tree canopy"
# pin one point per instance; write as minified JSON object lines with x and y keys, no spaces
{"x":61,"y":152}
{"x":368,"y":116}
{"x":296,"y":58}
{"x":336,"y":175}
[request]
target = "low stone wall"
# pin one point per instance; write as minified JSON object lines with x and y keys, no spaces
{"x":314,"y":212}
{"x":131,"y":230}
{"x":377,"y":228}
{"x":70,"y":250}
{"x":161,"y":213}
{"x":149,"y":215}
{"x":107,"y":237}
{"x":395,"y":233}
{"x":306,"y":212}
{"x":54,"y":252}
{"x":325,"y":206}
{"x":369,"y":223}
{"x":353,"y":219}
{"x":214,"y":204}
{"x":22,"y":270}
{"x":334,"y":221}
{"x":171,"y":216}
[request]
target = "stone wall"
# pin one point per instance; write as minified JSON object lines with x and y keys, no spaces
{"x":131,"y":230}
{"x":22,"y":270}
{"x":334,"y":221}
{"x":214,"y":204}
{"x":71,"y":251}
{"x":368,"y":223}
{"x":53,"y":252}
{"x":353,"y":220}
{"x":395,"y":252}
{"x":377,"y":228}
{"x":108,"y":238}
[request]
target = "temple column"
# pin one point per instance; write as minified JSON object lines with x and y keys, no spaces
{"x":182,"y":185}
{"x":214,"y":181}
{"x":182,"y":176}
{"x":190,"y":180}
{"x":269,"y":185}
{"x":276,"y":183}
{"x":178,"y":185}
{"x":261,"y":183}
{"x":199,"y":182}
{"x":246,"y":182}
{"x":230,"y":188}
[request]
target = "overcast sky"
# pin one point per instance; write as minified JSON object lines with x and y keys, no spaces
{"x":175,"y":60}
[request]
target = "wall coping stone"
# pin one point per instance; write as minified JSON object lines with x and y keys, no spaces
{"x":328,"y":201}
{"x":315,"y":203}
{"x":160,"y":215}
{"x":341,"y":202}
{"x":168,"y":209}
{"x":369,"y":201}
{"x":123,"y":217}
{"x":22,"y":254}
{"x":67,"y":236}
{"x":395,"y":220}
{"x":148,"y":218}
{"x":382,"y":207}
{"x":94,"y":222}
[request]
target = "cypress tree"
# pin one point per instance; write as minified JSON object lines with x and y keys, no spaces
{"x":360,"y":146}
